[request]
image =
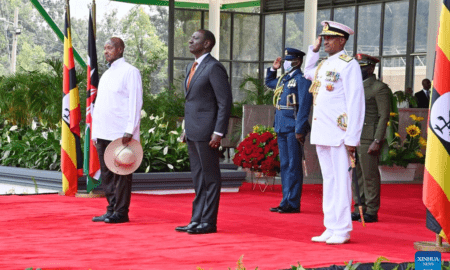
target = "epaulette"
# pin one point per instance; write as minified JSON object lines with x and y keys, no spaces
{"x":346,"y":58}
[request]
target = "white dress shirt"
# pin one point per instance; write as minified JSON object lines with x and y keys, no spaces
{"x":119,"y":101}
{"x":345,"y":95}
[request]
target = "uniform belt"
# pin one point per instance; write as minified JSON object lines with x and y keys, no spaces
{"x":282,"y":107}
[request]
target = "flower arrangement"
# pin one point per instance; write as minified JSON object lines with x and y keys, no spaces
{"x":259,"y":151}
{"x":400,"y":151}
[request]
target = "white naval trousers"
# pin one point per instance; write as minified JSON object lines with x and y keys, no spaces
{"x":337,"y":189}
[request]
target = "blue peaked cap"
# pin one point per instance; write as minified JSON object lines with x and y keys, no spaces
{"x":291,"y":54}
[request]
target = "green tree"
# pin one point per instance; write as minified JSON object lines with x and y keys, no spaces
{"x":144,"y":48}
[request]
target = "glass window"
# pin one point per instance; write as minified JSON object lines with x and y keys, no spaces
{"x":420,"y":41}
{"x":225,"y":33}
{"x":246,"y":37}
{"x":420,"y":72}
{"x":179,"y":73}
{"x":227,"y":67}
{"x":240,"y":71}
{"x":294,"y":30}
{"x":186,"y":23}
{"x":369,"y":33}
{"x":266,"y":66}
{"x":322,"y":15}
{"x":346,"y":16}
{"x":253,"y":9}
{"x":395,"y":27}
{"x":394,"y":73}
{"x":273,"y":31}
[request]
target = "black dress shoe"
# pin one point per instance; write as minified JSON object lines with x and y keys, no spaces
{"x":274,"y":209}
{"x":370,"y":218}
{"x":187,"y":227}
{"x":203,"y":228}
{"x":116,"y":218}
{"x":288,"y":210}
{"x":356,"y":216}
{"x":102,"y":218}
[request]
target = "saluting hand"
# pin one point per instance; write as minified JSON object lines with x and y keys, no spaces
{"x":317,"y":45}
{"x":277,"y":63}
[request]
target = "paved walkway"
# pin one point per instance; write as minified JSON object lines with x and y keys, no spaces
{"x":18,"y":189}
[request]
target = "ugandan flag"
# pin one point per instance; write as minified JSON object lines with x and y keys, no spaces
{"x":91,"y":161}
{"x":436,"y":188}
{"x":71,"y":156}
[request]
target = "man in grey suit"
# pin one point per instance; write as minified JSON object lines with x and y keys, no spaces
{"x":206,"y":113}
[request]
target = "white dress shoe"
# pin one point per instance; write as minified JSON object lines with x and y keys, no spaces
{"x":322,"y":238}
{"x":337,"y":240}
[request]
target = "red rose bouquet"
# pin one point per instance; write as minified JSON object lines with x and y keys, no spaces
{"x":259,"y":151}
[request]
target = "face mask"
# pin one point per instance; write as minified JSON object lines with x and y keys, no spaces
{"x":287,"y":66}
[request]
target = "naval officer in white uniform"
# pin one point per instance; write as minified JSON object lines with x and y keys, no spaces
{"x":338,"y":116}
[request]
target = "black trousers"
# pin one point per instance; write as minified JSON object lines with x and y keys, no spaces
{"x":117,"y":187}
{"x":207,"y":183}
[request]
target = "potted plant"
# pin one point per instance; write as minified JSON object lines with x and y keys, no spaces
{"x":400,"y":156}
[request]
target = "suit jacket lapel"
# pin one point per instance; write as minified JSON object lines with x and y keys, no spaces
{"x":198,"y":72}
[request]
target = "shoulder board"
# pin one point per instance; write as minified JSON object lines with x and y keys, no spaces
{"x":346,"y":58}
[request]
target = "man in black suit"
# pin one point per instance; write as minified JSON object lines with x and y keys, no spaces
{"x":206,"y":113}
{"x":423,"y":96}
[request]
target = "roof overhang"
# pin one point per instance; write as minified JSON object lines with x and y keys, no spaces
{"x":225,"y":4}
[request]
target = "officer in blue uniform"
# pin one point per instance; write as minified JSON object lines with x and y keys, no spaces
{"x":293,"y":102}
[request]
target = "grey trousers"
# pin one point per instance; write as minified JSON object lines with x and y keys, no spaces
{"x":207,"y":183}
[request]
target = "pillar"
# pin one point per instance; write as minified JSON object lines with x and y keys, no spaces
{"x":214,"y":24}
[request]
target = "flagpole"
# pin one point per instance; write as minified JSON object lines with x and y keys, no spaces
{"x":88,"y":160}
{"x":432,"y":246}
{"x":435,"y":197}
{"x":68,"y":12}
{"x":71,"y":159}
{"x":94,"y":17}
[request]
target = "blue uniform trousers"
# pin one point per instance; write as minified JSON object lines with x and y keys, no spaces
{"x":291,"y":169}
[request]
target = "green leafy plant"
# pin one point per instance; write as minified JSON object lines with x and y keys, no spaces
{"x":410,"y":266}
{"x":256,"y":90}
{"x":162,"y":150}
{"x":377,"y":264}
{"x":35,"y":147}
{"x":36,"y":189}
{"x":401,"y":96}
{"x":298,"y":267}
{"x":239,"y":264}
{"x":36,"y":95}
{"x":169,"y":102}
{"x":400,"y":151}
{"x":351,"y":266}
